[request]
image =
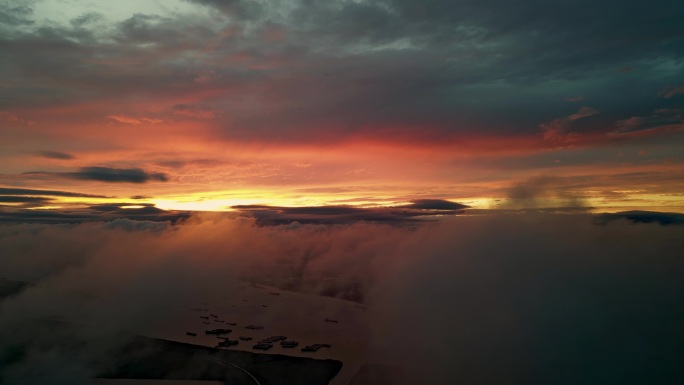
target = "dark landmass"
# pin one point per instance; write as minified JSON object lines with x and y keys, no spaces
{"x":145,"y":358}
{"x":149,"y":358}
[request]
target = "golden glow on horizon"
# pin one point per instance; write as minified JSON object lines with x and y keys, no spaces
{"x":200,"y":205}
{"x":362,"y":192}
{"x":224,"y":204}
{"x":49,"y":207}
{"x":205,"y":202}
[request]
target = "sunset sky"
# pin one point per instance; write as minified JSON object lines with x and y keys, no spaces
{"x":208,"y":104}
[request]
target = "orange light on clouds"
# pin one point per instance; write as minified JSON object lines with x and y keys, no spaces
{"x":187,"y":204}
{"x":208,"y":174}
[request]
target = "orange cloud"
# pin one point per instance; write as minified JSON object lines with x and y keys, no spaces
{"x":131,"y":120}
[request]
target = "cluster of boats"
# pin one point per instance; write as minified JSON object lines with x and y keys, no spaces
{"x":264,"y":344}
{"x":315,"y":347}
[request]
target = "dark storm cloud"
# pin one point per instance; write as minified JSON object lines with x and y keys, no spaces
{"x":368,"y":68}
{"x":562,"y":40}
{"x":449,"y":64}
{"x":56,"y":155}
{"x":116,"y":175}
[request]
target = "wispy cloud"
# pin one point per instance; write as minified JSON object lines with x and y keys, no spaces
{"x":194,"y":111}
{"x":558,"y":130}
{"x":56,"y":193}
{"x":134,"y":121}
{"x":13,"y":118}
{"x":56,"y":155}
{"x":670,"y":91}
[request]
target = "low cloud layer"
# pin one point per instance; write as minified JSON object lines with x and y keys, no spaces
{"x":664,"y":219}
{"x":52,"y":193}
{"x":25,"y":212}
{"x":492,"y":299}
{"x":415,"y":211}
{"x":19,"y":207}
{"x":56,"y":155}
{"x":537,"y":300}
{"x":16,"y":202}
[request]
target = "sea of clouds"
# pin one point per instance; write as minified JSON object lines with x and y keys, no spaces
{"x":487,"y":299}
